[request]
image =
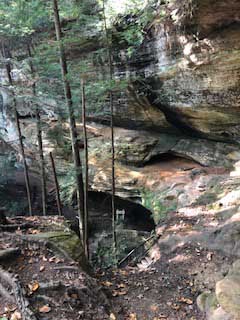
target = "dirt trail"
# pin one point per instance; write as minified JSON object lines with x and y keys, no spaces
{"x":183,"y":263}
{"x":167,"y":283}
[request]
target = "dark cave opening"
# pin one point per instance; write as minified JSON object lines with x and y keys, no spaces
{"x":133,"y":215}
{"x":171,"y":159}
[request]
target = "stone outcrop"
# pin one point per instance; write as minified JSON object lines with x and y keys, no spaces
{"x":191,"y":73}
{"x":224,"y":303}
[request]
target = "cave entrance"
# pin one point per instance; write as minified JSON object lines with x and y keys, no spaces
{"x":132,"y":215}
{"x":133,"y":227}
{"x":171,"y":160}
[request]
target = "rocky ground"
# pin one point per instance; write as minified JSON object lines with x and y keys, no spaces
{"x":191,"y":272}
{"x":42,"y":274}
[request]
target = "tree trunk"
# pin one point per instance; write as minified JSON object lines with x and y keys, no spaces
{"x":57,"y":190}
{"x":86,"y":246}
{"x":110,"y":64}
{"x":72,"y":123}
{"x":26,"y":174}
{"x":42,"y":163}
{"x":40,"y":143}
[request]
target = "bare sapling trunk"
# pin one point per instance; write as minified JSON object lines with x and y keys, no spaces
{"x":42,"y":163}
{"x":110,"y":64}
{"x":40,"y":142}
{"x":86,"y":245}
{"x":26,"y":174}
{"x":21,"y":145}
{"x":72,"y":122}
{"x":57,"y":189}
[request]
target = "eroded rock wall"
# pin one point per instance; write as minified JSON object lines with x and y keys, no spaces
{"x":191,"y":75}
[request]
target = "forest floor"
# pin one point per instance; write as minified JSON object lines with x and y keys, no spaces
{"x":53,"y":285}
{"x":163,"y":286}
{"x":167,"y":283}
{"x":186,"y":260}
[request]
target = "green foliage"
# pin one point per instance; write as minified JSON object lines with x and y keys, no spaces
{"x":153,"y":202}
{"x":127,"y":240}
{"x":84,"y":41}
{"x":67,"y":184}
{"x":21,"y":17}
{"x":59,"y":137}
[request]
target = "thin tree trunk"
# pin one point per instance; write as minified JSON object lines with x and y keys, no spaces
{"x":86,"y":246}
{"x":110,"y":63}
{"x":72,"y":123}
{"x":40,"y":143}
{"x":22,"y":151}
{"x":26,"y":174}
{"x":42,"y":163}
{"x":57,"y":190}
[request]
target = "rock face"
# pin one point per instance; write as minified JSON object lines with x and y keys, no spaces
{"x":191,"y":73}
{"x":224,"y":303}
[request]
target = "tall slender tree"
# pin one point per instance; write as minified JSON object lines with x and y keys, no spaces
{"x":7,"y":55}
{"x":110,"y":65}
{"x":57,"y":190}
{"x":39,"y":137}
{"x":72,"y":122}
{"x":86,"y":246}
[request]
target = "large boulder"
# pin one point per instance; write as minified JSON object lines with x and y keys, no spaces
{"x":224,"y":303}
{"x":228,"y":291}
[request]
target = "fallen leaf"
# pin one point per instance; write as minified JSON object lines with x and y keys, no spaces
{"x":52,"y":259}
{"x":58,"y":260}
{"x":35,"y":231}
{"x":112,"y":317}
{"x":132,"y":316}
{"x":121,"y":285}
{"x":209,"y":256}
{"x":16,"y":316}
{"x":33,"y":287}
{"x":186,"y":300}
{"x":45,"y":309}
{"x":116,"y":293}
{"x":42,"y":268}
{"x":123,"y":272}
{"x":175,"y":306}
{"x":44,"y":258}
{"x":107,"y":284}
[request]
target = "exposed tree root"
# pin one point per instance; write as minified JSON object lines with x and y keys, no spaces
{"x":19,"y":294}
